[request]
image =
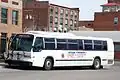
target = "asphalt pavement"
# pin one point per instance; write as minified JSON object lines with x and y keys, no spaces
{"x":17,"y":73}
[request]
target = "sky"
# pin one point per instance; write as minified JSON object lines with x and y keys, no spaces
{"x":87,"y":7}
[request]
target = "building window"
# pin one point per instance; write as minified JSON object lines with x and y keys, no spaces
{"x":71,"y":22}
{"x":62,"y":11}
{"x":71,"y":13}
{"x":76,"y":13}
{"x":66,"y":13}
{"x":4,"y":15}
{"x":56,"y":25}
{"x":51,"y":11}
{"x":51,"y":25}
{"x":75,"y":22}
{"x":61,"y":21}
{"x":76,"y":16}
{"x":66,"y":21}
{"x":51,"y":19}
{"x":4,"y":1}
{"x":56,"y":20}
{"x":15,"y":3}
{"x":56,"y":10}
{"x":15,"y":17}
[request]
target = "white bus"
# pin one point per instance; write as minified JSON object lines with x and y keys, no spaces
{"x":54,"y":49}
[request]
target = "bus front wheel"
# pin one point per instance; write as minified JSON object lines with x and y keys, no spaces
{"x":48,"y":65}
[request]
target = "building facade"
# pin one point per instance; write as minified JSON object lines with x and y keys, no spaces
{"x":10,"y":20}
{"x":87,"y":24}
{"x":63,"y":18}
{"x":11,"y":16}
{"x":108,"y":19}
{"x":42,"y":15}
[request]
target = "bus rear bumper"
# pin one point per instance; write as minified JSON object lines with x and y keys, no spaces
{"x":20,"y":63}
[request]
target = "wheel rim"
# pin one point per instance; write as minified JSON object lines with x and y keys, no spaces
{"x":48,"y":64}
{"x":97,"y":64}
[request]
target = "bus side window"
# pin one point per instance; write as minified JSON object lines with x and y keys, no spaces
{"x":97,"y":45}
{"x":80,"y":42}
{"x":88,"y":45}
{"x":49,"y":43}
{"x":61,"y":44}
{"x":105,"y":45}
{"x":72,"y":44}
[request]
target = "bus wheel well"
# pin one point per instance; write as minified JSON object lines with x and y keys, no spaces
{"x":50,"y":57}
{"x":97,"y":57}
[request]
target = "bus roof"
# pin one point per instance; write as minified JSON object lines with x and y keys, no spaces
{"x":63,"y":35}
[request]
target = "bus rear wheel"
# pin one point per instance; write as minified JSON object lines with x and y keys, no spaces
{"x":96,"y":63}
{"x":48,"y":65}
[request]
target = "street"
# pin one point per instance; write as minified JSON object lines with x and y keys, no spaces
{"x":112,"y":73}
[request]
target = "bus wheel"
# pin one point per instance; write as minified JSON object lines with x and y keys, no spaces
{"x":96,"y":63}
{"x":48,"y":65}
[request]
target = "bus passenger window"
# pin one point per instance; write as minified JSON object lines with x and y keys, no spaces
{"x":105,"y":45}
{"x":49,"y":43}
{"x":61,"y":44}
{"x":88,"y":47}
{"x":97,"y":45}
{"x":72,"y":44}
{"x":80,"y":44}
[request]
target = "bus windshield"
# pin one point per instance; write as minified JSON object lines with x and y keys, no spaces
{"x":22,"y":42}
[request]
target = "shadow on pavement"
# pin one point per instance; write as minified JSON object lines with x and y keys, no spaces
{"x":3,"y":65}
{"x":57,"y":68}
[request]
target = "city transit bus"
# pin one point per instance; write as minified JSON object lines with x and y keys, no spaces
{"x":54,"y":49}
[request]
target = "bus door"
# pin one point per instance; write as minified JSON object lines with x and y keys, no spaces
{"x":37,"y":49}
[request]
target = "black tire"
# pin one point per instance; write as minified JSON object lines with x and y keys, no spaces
{"x":96,"y":63}
{"x":48,"y":64}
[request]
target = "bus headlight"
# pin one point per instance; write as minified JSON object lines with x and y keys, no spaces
{"x":27,"y":56}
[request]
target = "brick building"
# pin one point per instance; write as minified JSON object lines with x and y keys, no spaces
{"x":113,"y":1}
{"x":87,"y":24}
{"x":10,"y":20}
{"x":42,"y":15}
{"x":108,"y":19}
{"x":104,"y":21}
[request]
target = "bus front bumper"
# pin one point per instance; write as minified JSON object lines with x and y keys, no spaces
{"x":20,"y":63}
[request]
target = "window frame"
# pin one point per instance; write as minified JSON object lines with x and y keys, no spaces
{"x":4,"y":14}
{"x":15,"y":17}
